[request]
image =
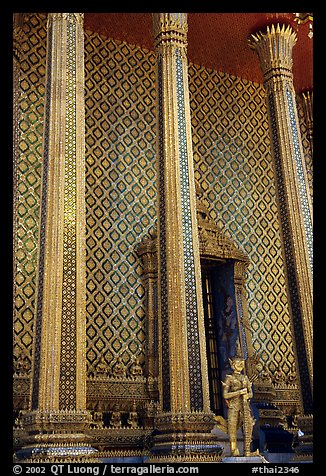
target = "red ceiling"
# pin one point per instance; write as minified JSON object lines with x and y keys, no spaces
{"x":215,"y":40}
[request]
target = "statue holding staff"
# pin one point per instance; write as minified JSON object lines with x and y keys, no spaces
{"x":237,"y":392}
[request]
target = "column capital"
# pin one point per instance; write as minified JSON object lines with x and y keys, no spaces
{"x":170,"y":29}
{"x":70,"y":17}
{"x":274,"y":48}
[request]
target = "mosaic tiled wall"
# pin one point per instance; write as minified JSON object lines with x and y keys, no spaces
{"x":234,"y":168}
{"x":232,"y":164}
{"x":27,"y":171}
{"x":120,"y":193}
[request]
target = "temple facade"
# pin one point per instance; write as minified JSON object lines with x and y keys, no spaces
{"x":162,"y":226}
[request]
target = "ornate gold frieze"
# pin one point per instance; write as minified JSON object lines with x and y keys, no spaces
{"x":193,"y":447}
{"x":124,"y":442}
{"x":287,"y":398}
{"x":190,"y":457}
{"x":62,"y":452}
{"x":101,"y":392}
{"x":273,"y":417}
{"x":45,"y":422}
{"x":195,"y":421}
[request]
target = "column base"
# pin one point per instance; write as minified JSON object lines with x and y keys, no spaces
{"x":60,"y":452}
{"x":185,"y":437}
{"x":303,"y":445}
{"x":185,"y":447}
{"x":55,"y":435}
{"x":258,"y":459}
{"x":56,"y":421}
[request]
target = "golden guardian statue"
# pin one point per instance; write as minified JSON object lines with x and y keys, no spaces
{"x":237,"y":392}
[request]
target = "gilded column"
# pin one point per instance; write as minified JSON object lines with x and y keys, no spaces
{"x":184,"y":391}
{"x":274,"y":48}
{"x":58,"y":400}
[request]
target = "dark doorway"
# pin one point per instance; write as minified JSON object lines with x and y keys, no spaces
{"x":221,"y":325}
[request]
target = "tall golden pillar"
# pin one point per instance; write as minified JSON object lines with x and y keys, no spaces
{"x":184,"y":421}
{"x":274,"y":48}
{"x":58,"y":418}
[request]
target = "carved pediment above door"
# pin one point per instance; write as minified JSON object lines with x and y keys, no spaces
{"x":213,"y":242}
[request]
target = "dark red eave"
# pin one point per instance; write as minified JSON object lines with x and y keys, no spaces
{"x":215,"y":40}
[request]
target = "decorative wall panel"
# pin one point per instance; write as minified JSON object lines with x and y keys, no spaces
{"x":234,"y":169}
{"x":27,"y":176}
{"x":120,"y":193}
